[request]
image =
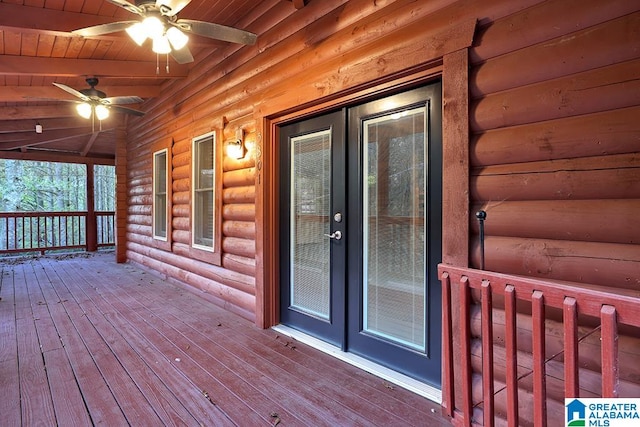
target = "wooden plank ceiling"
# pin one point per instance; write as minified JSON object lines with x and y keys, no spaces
{"x":37,"y":49}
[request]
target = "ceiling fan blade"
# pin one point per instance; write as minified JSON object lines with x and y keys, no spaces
{"x":171,"y":7}
{"x":98,"y":30}
{"x":216,"y":31}
{"x":126,"y":110}
{"x":72,"y":91}
{"x":120,"y":100}
{"x":128,"y":6}
{"x":182,"y":56}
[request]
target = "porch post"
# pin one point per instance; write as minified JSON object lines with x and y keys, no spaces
{"x":455,"y":218}
{"x":92,"y":226}
{"x":121,"y":194}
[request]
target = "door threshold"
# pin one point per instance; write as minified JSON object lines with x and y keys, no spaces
{"x":396,"y":378}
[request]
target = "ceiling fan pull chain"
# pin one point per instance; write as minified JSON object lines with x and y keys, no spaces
{"x":157,"y":64}
{"x":167,"y":63}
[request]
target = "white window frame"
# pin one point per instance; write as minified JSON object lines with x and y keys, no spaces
{"x":196,"y":173}
{"x":156,"y":194}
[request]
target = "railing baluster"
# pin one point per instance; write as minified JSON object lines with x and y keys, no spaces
{"x":448,"y":395}
{"x":13,"y":234}
{"x":539,"y":370}
{"x":609,"y":351}
{"x":487,"y":354}
{"x":511,"y":347}
{"x":42,"y":231}
{"x":614,"y":310}
{"x":570,"y":319}
{"x":22,"y":244}
{"x":465,"y":349}
{"x":7,"y":234}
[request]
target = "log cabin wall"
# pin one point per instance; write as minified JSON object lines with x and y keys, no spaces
{"x":554,"y":147}
{"x":555,"y":163}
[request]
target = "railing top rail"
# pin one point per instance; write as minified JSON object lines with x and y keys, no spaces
{"x":41,"y":214}
{"x":589,"y":300}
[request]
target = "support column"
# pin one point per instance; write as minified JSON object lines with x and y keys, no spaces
{"x":121,"y":195}
{"x":92,"y":224}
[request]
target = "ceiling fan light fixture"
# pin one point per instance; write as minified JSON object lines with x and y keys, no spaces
{"x":153,"y":27}
{"x":138,"y":33}
{"x":161,"y":45}
{"x":177,"y":38}
{"x":84,"y":110}
{"x":102,"y":112}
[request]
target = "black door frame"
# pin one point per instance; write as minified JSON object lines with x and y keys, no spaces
{"x":432,"y":91}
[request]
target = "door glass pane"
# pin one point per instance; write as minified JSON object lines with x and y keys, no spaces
{"x":310,"y":190}
{"x":394,"y":227}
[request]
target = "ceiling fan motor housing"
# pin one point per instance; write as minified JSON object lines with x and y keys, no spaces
{"x":92,"y":92}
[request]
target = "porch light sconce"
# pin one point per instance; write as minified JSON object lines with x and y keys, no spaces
{"x":235,"y":147}
{"x":38,"y":127}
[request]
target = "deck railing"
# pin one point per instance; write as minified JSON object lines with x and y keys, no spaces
{"x":464,"y":289}
{"x":22,"y":232}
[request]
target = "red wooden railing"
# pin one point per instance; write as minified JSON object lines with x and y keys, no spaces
{"x":517,"y":294}
{"x":43,"y":231}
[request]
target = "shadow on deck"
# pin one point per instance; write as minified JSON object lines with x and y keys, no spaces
{"x":86,"y":341}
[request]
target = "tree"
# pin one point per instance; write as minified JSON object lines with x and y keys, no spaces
{"x":28,"y":186}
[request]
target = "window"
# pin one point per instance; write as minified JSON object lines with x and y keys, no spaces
{"x":204,"y":182}
{"x":160,"y":185}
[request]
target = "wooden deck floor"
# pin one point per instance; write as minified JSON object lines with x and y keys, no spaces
{"x":85,"y":341}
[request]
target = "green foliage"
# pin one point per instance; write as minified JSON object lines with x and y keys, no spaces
{"x":104,"y":185}
{"x":29,"y":186}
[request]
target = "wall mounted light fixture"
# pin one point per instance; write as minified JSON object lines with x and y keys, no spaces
{"x":235,"y":147}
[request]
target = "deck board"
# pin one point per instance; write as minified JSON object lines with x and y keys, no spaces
{"x":64,"y":391}
{"x":87,"y":341}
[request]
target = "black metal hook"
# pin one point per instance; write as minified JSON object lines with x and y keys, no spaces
{"x":481,"y":215}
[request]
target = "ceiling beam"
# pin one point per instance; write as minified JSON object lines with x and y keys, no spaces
{"x":9,"y":142}
{"x":67,"y":67}
{"x":57,"y":157}
{"x":37,"y":112}
{"x":39,"y":93}
{"x":28,"y":125}
{"x":89,"y":144}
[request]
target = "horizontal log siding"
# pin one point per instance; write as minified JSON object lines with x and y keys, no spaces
{"x":238,"y":85}
{"x":554,"y":100}
{"x":555,"y":163}
{"x":561,"y":118}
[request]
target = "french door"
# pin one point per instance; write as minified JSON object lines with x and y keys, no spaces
{"x":360,"y":218}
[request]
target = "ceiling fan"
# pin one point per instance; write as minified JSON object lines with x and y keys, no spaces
{"x":159,"y":22}
{"x":95,"y":103}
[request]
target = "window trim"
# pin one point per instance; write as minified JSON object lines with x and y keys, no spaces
{"x":154,"y":213}
{"x":210,"y":254}
{"x":160,"y":243}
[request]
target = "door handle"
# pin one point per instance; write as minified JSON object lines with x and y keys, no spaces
{"x":337,"y":235}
